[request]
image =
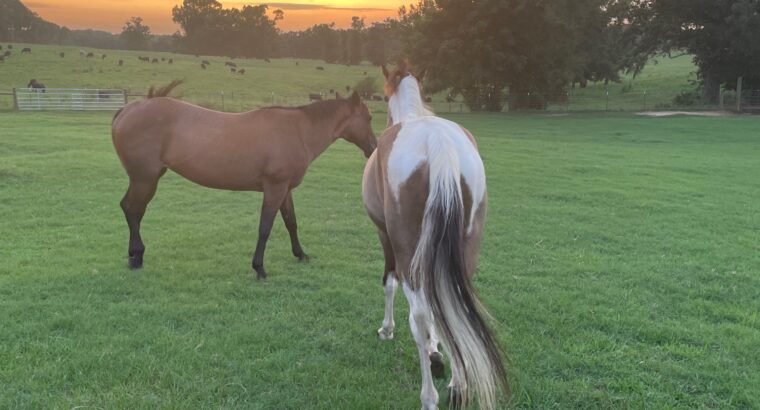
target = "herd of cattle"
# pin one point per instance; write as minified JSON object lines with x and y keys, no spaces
{"x":233,"y":67}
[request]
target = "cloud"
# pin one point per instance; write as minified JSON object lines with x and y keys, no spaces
{"x":299,"y":6}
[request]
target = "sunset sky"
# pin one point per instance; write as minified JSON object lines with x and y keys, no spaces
{"x":110,"y":15}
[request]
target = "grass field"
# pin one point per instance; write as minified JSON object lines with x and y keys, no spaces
{"x":282,"y":82}
{"x":620,"y":262}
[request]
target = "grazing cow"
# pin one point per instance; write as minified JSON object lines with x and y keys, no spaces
{"x":206,"y":62}
{"x":103,"y":56}
{"x":203,"y":66}
{"x":90,"y":55}
{"x":297,"y":63}
{"x":154,"y":61}
{"x":315,"y":97}
{"x":230,"y":64}
{"x":121,"y":62}
{"x":365,"y":73}
{"x":449,"y":98}
{"x":267,"y":60}
{"x":332,"y":91}
{"x":232,"y":70}
{"x":62,"y":54}
{"x":377,"y":97}
{"x":163,"y":58}
{"x":320,"y":68}
{"x":348,"y":88}
{"x":7,"y":53}
{"x":35,"y":86}
{"x":171,"y":61}
{"x":26,"y":50}
{"x":10,"y":46}
{"x":241,"y":71}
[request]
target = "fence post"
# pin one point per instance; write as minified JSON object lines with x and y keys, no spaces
{"x":222,"y":94}
{"x":607,"y":100}
{"x":739,"y":94}
{"x":15,"y":99}
{"x":126,"y":98}
{"x":645,"y":99}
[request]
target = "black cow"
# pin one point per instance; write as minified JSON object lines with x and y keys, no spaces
{"x":320,"y":68}
{"x":171,"y":61}
{"x":267,"y":60}
{"x":26,"y":50}
{"x":163,"y":58}
{"x":90,"y":55}
{"x":62,"y":54}
{"x":203,"y":66}
{"x":377,"y":98}
{"x":35,"y":86}
{"x":103,"y":56}
{"x":7,"y":53}
{"x":230,"y":64}
{"x":121,"y":62}
{"x":232,"y":70}
{"x":241,"y":71}
{"x":154,"y":61}
{"x":10,"y":46}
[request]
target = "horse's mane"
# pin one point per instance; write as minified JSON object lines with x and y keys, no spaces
{"x":315,"y":111}
{"x":164,"y":91}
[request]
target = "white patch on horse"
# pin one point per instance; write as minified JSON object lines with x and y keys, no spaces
{"x":406,"y":103}
{"x":419,"y":138}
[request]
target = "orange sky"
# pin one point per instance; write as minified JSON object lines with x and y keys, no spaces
{"x":110,"y":15}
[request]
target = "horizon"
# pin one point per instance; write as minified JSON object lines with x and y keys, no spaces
{"x":110,"y":15}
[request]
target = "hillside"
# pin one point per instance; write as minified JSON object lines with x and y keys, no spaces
{"x":289,"y":81}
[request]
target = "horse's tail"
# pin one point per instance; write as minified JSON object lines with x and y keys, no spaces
{"x":164,"y":91}
{"x":439,"y":266}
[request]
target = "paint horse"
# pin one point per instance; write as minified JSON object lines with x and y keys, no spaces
{"x":425,"y":189}
{"x":267,"y":150}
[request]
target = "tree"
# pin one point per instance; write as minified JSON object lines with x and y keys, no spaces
{"x":480,"y":49}
{"x":721,"y":34}
{"x":135,"y":35}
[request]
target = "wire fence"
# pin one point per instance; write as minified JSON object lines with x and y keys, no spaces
{"x":571,"y":101}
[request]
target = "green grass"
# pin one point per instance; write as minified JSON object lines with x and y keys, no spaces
{"x":282,"y":82}
{"x":620,"y":262}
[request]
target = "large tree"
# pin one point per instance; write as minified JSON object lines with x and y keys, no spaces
{"x":533,"y":48}
{"x":723,"y":36}
{"x":135,"y":35}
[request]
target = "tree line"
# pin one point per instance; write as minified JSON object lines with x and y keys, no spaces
{"x":531,"y":50}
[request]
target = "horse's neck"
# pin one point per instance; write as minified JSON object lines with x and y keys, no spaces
{"x":324,"y":132}
{"x":408,"y":107}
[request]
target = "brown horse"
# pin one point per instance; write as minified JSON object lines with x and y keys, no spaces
{"x":425,"y":189}
{"x":266,"y":150}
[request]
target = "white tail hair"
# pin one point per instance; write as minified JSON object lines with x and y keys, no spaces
{"x":439,"y":267}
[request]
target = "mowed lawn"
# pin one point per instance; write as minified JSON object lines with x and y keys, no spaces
{"x":620,"y":262}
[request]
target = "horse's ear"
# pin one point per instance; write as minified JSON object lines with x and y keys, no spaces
{"x":385,"y":71}
{"x":421,"y":76}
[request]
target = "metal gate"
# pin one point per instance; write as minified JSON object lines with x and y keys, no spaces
{"x":68,"y":99}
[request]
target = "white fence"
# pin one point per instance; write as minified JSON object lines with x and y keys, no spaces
{"x":68,"y":99}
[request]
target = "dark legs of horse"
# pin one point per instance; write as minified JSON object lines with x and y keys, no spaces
{"x":273,"y":198}
{"x":288,"y":212}
{"x":134,"y":203}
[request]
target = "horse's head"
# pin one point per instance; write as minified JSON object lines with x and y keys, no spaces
{"x":404,"y":91}
{"x":358,"y":129}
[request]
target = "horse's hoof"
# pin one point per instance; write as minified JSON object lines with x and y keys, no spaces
{"x":455,"y":399}
{"x":303,"y":258}
{"x":383,"y":335}
{"x":436,"y":365}
{"x":135,"y":262}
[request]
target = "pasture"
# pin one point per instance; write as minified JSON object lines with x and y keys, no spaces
{"x":620,"y":264}
{"x":289,"y":81}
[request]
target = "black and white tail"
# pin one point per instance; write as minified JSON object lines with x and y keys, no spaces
{"x":439,"y":267}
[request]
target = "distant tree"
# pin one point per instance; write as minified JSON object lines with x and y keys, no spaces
{"x":135,"y":35}
{"x":722,"y":35}
{"x":355,"y":37}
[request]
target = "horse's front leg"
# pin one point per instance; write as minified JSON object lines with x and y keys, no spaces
{"x":288,"y":212}
{"x":274,"y":194}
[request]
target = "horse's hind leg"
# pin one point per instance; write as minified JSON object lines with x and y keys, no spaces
{"x":288,"y":212}
{"x":134,"y":203}
{"x":389,"y":284}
